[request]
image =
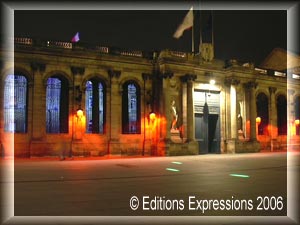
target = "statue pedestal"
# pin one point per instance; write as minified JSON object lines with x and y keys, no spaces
{"x":241,"y":135}
{"x":175,"y":136}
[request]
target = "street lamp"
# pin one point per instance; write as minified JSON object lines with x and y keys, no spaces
{"x":212,"y":82}
{"x":79,"y":113}
{"x":258,"y":120}
{"x":152,"y":116}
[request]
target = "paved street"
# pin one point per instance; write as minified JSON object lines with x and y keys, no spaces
{"x":185,"y":185}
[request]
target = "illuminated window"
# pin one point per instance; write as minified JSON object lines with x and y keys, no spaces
{"x":282,"y":115}
{"x":279,"y":74}
{"x":131,"y":123}
{"x":263,"y":113}
{"x":295,"y":76}
{"x":297,"y":113}
{"x":261,"y":70}
{"x":95,"y":106}
{"x":57,"y":104}
{"x":15,"y":104}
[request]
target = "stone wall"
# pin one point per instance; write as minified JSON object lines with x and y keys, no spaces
{"x":165,"y":77}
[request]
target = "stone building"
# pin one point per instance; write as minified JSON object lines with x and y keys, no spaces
{"x":66,"y":99}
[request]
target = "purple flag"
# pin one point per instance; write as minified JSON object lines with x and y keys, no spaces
{"x":75,"y":38}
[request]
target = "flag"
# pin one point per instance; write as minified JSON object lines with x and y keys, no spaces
{"x":75,"y":38}
{"x":187,"y":23}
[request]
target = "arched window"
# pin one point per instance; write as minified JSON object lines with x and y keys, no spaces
{"x":282,"y":115}
{"x":262,"y":107}
{"x":297,"y":113}
{"x":131,"y":118}
{"x":95,"y":106}
{"x":57,"y":105}
{"x":15,"y":104}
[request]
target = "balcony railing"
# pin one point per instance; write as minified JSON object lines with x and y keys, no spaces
{"x":79,"y":46}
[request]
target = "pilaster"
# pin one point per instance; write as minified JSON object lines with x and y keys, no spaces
{"x":38,"y":112}
{"x":149,"y":132}
{"x":76,"y":100}
{"x":38,"y":101}
{"x":115,"y":111}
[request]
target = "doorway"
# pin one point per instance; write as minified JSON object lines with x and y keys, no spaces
{"x":207,"y":121}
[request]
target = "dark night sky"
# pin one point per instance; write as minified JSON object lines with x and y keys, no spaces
{"x":245,"y":35}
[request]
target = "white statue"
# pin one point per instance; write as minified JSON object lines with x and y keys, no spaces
{"x":174,"y":116}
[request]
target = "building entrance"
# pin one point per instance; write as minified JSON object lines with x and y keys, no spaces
{"x":207,"y":121}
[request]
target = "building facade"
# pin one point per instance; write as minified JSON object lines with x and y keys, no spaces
{"x":66,"y":99}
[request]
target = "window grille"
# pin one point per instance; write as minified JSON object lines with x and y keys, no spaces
{"x":15,"y":104}
{"x":131,"y":108}
{"x":95,"y":109}
{"x":53,"y":95}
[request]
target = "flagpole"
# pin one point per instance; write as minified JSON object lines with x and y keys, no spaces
{"x":200,"y":28}
{"x":193,"y":41}
{"x":212,"y":29}
{"x":193,"y":50}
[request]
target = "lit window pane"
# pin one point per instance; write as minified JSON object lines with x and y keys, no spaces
{"x":15,"y":113}
{"x":132,"y":108}
{"x":101,"y":108}
{"x":94,"y":107}
{"x":53,"y":93}
{"x":89,"y":106}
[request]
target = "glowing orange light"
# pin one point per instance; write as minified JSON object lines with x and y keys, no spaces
{"x":79,"y":113}
{"x":258,"y":120}
{"x":152,"y":116}
{"x":297,"y":122}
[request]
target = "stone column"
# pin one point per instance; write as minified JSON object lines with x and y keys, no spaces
{"x":115,"y":113}
{"x":233,"y":118}
{"x":232,"y":140}
{"x":189,"y":115}
{"x":233,"y":108}
{"x":184,"y":108}
{"x":253,"y":113}
{"x":273,"y":118}
{"x":190,"y":107}
{"x":167,"y":101}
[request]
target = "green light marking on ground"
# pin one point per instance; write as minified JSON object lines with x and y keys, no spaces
{"x":178,"y":163}
{"x":239,"y":175}
{"x":173,"y":170}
